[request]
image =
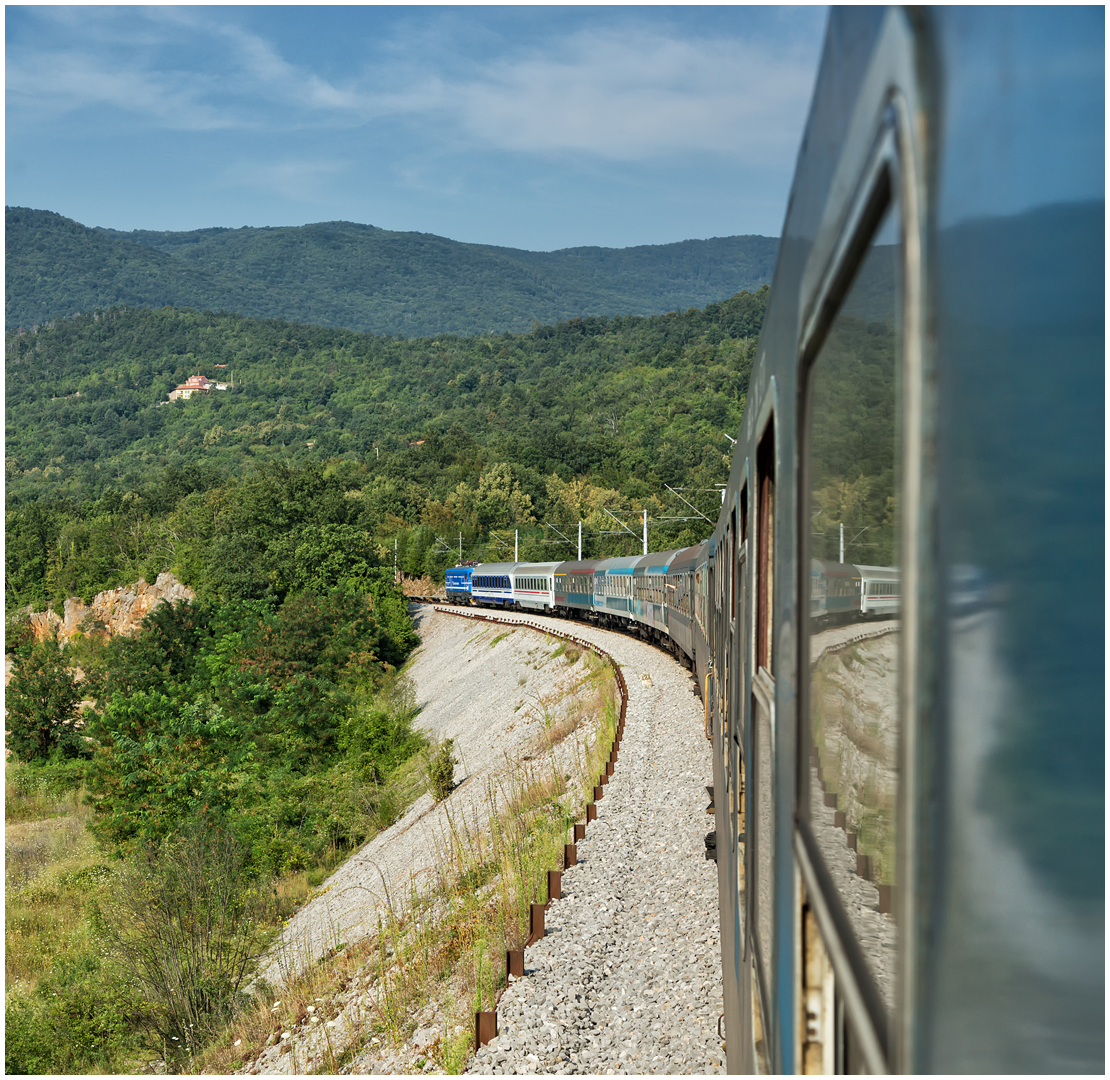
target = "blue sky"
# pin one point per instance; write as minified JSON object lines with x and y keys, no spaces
{"x":531,"y":127}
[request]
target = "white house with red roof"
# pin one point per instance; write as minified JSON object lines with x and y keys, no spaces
{"x":195,"y":384}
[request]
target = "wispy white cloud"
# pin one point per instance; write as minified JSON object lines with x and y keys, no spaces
{"x":632,"y":97}
{"x":298,"y":180}
{"x":178,"y":67}
{"x":624,"y":94}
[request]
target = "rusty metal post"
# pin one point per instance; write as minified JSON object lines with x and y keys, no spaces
{"x":554,"y":885}
{"x":591,"y":810}
{"x":580,"y":830}
{"x":599,"y":793}
{"x":570,"y":855}
{"x":514,"y":963}
{"x":536,"y":926}
{"x":485,"y":1028}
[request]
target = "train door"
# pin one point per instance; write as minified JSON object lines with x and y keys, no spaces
{"x":760,"y":816}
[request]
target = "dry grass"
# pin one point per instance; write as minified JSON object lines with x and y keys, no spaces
{"x":50,"y":865}
{"x":588,"y":696}
{"x":421,"y":586}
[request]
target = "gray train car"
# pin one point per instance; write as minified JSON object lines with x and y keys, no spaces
{"x":534,"y":586}
{"x":649,"y":593}
{"x":681,"y":598}
{"x":910,"y":811}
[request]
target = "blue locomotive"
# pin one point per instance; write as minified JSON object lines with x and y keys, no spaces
{"x":458,"y":584}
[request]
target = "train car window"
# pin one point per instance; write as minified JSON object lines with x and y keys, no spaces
{"x":765,"y":568}
{"x":852,"y":490}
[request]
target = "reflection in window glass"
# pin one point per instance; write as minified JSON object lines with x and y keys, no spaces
{"x":854,"y":603}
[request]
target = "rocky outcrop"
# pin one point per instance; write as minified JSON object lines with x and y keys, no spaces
{"x":118,"y":611}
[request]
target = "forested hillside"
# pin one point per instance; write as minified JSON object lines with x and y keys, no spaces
{"x":342,"y":274}
{"x":355,"y":443}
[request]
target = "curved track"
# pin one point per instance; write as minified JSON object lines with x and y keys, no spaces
{"x":628,"y":976}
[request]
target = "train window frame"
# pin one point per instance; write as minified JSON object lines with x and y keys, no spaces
{"x":762,"y":860}
{"x":888,"y":179}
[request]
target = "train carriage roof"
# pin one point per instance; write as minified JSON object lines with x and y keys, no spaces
{"x":879,"y":573}
{"x":495,"y":568}
{"x":686,"y":559}
{"x":655,"y":562}
{"x":584,"y":566}
{"x":537,"y":567}
{"x":623,"y":565}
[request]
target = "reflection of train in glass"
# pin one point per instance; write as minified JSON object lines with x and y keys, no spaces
{"x":843,"y":592}
{"x":910,"y":811}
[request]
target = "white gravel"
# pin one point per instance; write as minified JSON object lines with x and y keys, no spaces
{"x":628,"y":979}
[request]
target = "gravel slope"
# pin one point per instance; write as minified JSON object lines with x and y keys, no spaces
{"x":484,"y":690}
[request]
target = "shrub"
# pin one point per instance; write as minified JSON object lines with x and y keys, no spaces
{"x":441,"y":770}
{"x":187,"y":930}
{"x":41,"y":701}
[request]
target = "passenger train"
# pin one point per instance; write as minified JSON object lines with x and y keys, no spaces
{"x":908,"y":746}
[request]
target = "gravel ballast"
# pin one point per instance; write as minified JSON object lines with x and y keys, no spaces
{"x":628,"y":977}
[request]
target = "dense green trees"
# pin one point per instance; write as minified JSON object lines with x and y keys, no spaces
{"x":41,"y":704}
{"x":264,"y":707}
{"x":334,"y":445}
{"x":265,"y":718}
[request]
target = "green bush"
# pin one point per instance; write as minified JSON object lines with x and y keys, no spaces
{"x":441,"y":770}
{"x":81,"y":1018}
{"x":187,"y":928}
{"x":50,"y":780}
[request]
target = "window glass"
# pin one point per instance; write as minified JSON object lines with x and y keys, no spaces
{"x":854,"y":641}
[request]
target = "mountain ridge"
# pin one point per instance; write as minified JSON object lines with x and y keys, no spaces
{"x":362,"y":277}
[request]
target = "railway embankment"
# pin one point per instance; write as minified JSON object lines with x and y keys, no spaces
{"x":488,"y":688}
{"x":627,"y":976}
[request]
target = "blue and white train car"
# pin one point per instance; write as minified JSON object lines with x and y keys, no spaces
{"x":613,"y":588}
{"x":649,"y":589}
{"x":491,"y":584}
{"x":574,"y":588}
{"x":680,"y":597}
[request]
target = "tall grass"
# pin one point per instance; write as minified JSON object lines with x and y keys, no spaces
{"x":66,"y":1009}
